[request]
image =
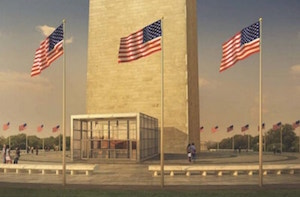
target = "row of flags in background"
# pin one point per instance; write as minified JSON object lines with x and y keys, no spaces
{"x":230,"y":128}
{"x":22,"y":127}
{"x":246,"y":127}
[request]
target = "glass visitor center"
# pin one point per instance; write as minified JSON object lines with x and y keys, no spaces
{"x":118,"y":137}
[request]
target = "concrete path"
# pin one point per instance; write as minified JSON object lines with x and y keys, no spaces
{"x":131,"y":174}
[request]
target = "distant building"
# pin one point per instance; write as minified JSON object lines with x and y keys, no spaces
{"x":114,"y":88}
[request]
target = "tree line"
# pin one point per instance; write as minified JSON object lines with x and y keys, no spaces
{"x":271,"y":139}
{"x":49,"y":143}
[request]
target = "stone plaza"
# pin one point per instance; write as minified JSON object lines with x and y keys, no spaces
{"x":132,"y":174}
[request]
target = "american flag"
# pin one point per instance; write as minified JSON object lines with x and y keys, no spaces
{"x":50,"y":49}
{"x":296,"y":124}
{"x":22,"y":127}
{"x":55,"y":129}
{"x":240,"y":46}
{"x":6,"y":126}
{"x":40,"y":128}
{"x":245,"y":128}
{"x":141,"y":43}
{"x":201,"y":129}
{"x":230,"y":128}
{"x":277,"y":126}
{"x":214,"y":129}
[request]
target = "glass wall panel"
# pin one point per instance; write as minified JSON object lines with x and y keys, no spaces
{"x":115,"y":138}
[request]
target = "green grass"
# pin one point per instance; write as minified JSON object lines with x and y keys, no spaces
{"x":60,"y":192}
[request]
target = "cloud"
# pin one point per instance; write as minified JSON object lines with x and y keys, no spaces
{"x":11,"y":80}
{"x":69,"y":40}
{"x":295,"y":69}
{"x":202,"y":82}
{"x":47,"y":30}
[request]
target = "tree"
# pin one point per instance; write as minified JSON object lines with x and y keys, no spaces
{"x":49,"y":142}
{"x":68,"y":143}
{"x":34,"y":141}
{"x":2,"y":140}
{"x":226,"y":143}
{"x":211,"y":145}
{"x":289,"y":138}
{"x":241,"y":141}
{"x":18,"y":141}
{"x":255,"y":143}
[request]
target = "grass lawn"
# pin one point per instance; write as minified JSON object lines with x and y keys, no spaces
{"x":91,"y":192}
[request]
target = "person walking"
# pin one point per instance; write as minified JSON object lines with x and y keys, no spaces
{"x":17,"y":155}
{"x":7,"y":154}
{"x":189,"y":153}
{"x":36,"y":150}
{"x":193,"y":151}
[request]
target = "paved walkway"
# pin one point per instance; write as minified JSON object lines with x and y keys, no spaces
{"x":131,"y":174}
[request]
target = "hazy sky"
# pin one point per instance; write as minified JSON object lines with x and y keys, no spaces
{"x":38,"y":100}
{"x":227,"y":98}
{"x":232,"y":97}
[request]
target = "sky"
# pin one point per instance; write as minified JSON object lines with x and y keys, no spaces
{"x":232,"y":96}
{"x":38,"y":100}
{"x":227,"y":98}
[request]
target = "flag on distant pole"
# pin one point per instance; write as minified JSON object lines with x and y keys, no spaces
{"x":296,"y":124}
{"x":55,"y":129}
{"x":245,"y":128}
{"x":6,"y":126}
{"x":22,"y":127}
{"x":201,"y":129}
{"x":50,"y":49}
{"x":240,"y":46}
{"x":141,"y":43}
{"x":40,"y":128}
{"x":277,"y":126}
{"x":214,"y":129}
{"x":230,"y":128}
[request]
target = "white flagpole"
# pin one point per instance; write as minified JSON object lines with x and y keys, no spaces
{"x":260,"y":106}
{"x":162,"y":109}
{"x":64,"y":105}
